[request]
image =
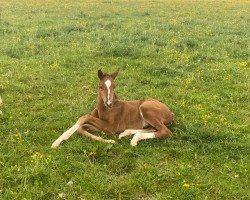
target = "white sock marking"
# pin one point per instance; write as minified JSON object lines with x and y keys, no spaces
{"x":108,"y":84}
{"x":132,"y":131}
{"x":141,"y":136}
{"x":65,"y":135}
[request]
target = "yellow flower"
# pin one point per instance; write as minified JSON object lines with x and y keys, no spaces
{"x":186,"y":185}
{"x":54,"y":65}
{"x":244,"y":64}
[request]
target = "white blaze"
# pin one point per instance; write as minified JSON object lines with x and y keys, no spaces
{"x":108,"y":84}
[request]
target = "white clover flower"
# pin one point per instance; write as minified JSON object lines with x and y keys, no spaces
{"x":70,"y":183}
{"x":61,"y":195}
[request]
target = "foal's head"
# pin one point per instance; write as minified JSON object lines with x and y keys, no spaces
{"x":107,"y":87}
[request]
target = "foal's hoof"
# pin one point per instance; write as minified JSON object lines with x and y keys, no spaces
{"x":124,"y":133}
{"x":121,"y":135}
{"x":133,"y":143}
{"x":54,"y":145}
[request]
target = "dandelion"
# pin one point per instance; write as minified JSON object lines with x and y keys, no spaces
{"x":54,"y":65}
{"x":48,"y":157}
{"x":244,"y":64}
{"x":40,"y":156}
{"x":186,"y":185}
{"x":19,"y":138}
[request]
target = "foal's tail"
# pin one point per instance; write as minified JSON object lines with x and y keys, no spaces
{"x":65,"y":135}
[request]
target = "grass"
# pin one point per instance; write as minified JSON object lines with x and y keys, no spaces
{"x":191,"y":55}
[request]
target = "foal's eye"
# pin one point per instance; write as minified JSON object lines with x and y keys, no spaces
{"x":101,"y":88}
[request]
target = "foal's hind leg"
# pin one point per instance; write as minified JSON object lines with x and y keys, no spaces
{"x":162,"y":131}
{"x":156,"y":115}
{"x":133,"y":131}
{"x":141,"y":136}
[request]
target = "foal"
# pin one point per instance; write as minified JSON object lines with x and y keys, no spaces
{"x":143,"y":118}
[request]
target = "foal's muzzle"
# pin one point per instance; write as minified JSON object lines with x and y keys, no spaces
{"x":108,"y":104}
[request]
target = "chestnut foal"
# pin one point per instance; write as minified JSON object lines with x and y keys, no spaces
{"x":143,"y":118}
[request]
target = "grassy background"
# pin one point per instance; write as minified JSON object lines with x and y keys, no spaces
{"x":191,"y":55}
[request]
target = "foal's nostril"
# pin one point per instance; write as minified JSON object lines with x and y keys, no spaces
{"x":108,"y":104}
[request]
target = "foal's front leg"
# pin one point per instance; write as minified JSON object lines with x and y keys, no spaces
{"x":65,"y":135}
{"x":69,"y":132}
{"x":79,"y":127}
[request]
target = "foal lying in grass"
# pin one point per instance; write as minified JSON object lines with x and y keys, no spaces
{"x":144,"y":119}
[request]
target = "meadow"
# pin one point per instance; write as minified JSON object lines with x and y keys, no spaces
{"x":191,"y":55}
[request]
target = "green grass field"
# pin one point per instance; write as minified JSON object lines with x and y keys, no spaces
{"x":191,"y":55}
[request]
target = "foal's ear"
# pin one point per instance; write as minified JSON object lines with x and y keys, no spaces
{"x":100,"y":74}
{"x":113,"y":75}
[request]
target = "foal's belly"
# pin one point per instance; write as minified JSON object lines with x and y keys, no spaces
{"x":139,"y":124}
{"x":130,"y":120}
